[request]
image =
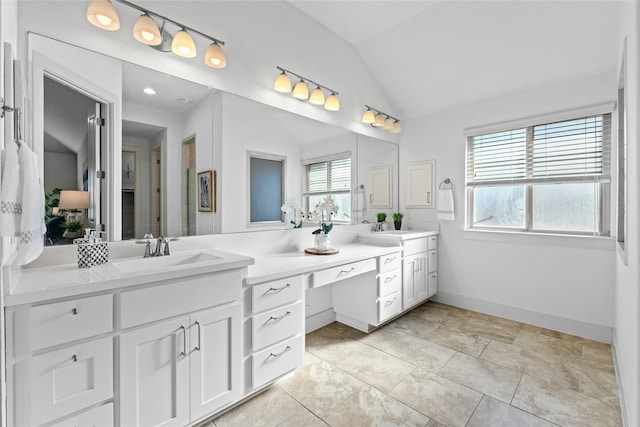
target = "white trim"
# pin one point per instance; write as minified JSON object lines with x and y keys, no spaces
{"x":552,"y":239}
{"x":319,"y":320}
{"x":616,"y":368}
{"x":556,"y":323}
{"x":328,"y":158}
{"x":604,"y":108}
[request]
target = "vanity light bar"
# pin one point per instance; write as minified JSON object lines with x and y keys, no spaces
{"x":301,"y":90}
{"x":391,"y":123}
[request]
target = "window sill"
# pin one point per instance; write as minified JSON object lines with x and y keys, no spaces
{"x":546,"y":239}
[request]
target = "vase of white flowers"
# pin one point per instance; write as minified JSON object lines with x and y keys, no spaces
{"x":298,"y":214}
{"x":322,"y":213}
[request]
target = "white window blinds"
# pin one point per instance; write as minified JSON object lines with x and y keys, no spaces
{"x":569,"y":150}
{"x":327,"y":177}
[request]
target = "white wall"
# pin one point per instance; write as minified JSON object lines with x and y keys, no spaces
{"x":564,"y":284}
{"x":627,"y":276}
{"x":61,"y":171}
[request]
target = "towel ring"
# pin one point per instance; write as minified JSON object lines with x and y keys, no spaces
{"x":445,"y":181}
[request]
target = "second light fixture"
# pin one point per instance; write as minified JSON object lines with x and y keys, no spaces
{"x":376,"y":118}
{"x":301,"y":90}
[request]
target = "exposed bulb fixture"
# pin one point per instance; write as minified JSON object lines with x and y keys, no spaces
{"x":214,"y":56}
{"x":102,"y":14}
{"x":149,"y":91}
{"x":317,"y":96}
{"x":376,"y":118}
{"x":146,"y":31}
{"x":301,"y":90}
{"x":183,"y":44}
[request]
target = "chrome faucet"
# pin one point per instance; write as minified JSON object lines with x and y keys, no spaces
{"x":158,"y":251}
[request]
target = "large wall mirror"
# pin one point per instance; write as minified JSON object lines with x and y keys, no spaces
{"x":156,"y":144}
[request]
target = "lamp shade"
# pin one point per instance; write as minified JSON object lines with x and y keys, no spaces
{"x":379,"y":121}
{"x":388,"y":124}
{"x":183,"y":45}
{"x":102,"y":14}
{"x":368,"y":117}
{"x":214,"y":56}
{"x":333,"y":103}
{"x":301,"y":91}
{"x":396,"y":127}
{"x":283,"y":83}
{"x":146,"y":31}
{"x":74,"y":199}
{"x":317,"y":96}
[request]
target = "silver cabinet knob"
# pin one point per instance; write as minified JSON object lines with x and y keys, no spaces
{"x":75,"y":311}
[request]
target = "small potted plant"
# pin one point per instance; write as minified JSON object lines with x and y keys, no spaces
{"x":382,"y":217}
{"x":74,"y":229}
{"x":397,"y":220}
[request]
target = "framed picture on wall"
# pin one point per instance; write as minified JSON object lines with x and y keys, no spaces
{"x":205,"y":191}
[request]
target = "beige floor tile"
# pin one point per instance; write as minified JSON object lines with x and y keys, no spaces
{"x":556,"y":347}
{"x":443,"y":400}
{"x":585,"y":379}
{"x":597,"y":355}
{"x":452,"y":319}
{"x":271,"y":408}
{"x":494,"y":413}
{"x":446,"y":307}
{"x":519,"y":359}
{"x":561,"y":406}
{"x":370,"y":407}
{"x":422,"y":353}
{"x":413,"y":324}
{"x":382,"y":338}
{"x":329,"y":345}
{"x":494,"y":328}
{"x":553,"y":334}
{"x":470,"y":344}
{"x":480,"y":375}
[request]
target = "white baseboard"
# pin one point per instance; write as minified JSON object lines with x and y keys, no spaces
{"x":319,"y":320}
{"x":548,"y":321}
{"x":616,"y":366}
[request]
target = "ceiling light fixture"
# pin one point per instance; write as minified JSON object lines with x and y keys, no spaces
{"x":301,"y":90}
{"x":102,"y":14}
{"x":149,"y":91}
{"x":376,"y":118}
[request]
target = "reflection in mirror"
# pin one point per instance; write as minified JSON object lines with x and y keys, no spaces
{"x":266,"y":187}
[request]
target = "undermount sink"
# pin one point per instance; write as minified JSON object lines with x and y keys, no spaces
{"x":138,"y":265}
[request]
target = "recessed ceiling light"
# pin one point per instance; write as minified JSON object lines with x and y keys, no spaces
{"x":149,"y":91}
{"x":184,"y":100}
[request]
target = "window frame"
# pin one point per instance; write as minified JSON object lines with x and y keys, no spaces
{"x":603,"y":193}
{"x":326,"y":159}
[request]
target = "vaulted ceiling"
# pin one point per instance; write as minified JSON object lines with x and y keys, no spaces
{"x":429,"y":56}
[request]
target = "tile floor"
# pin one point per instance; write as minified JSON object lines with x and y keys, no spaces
{"x":441,"y":366}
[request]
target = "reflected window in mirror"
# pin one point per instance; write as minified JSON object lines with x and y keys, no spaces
{"x":330,"y":176}
{"x":266,"y":187}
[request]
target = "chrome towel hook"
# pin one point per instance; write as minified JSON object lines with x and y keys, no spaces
{"x":446,"y":181}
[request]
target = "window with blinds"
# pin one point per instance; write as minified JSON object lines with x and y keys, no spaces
{"x":549,"y":177}
{"x":329,"y":178}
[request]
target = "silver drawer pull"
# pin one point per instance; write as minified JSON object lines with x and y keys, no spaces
{"x":288,"y":313}
{"x":279,"y":354}
{"x":346,"y":271}
{"x":388,"y":279}
{"x":199,"y":346}
{"x":75,"y":311}
{"x":388,"y":303}
{"x":184,"y":341}
{"x":388,"y":260}
{"x":75,"y":357}
{"x":288,"y":285}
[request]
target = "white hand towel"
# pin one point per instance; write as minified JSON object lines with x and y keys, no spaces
{"x":10,"y":192}
{"x":32,"y":226}
{"x":445,"y":204}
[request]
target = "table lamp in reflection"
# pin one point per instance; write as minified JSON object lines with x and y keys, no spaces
{"x":75,"y":203}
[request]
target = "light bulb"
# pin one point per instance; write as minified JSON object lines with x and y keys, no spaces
{"x":283,"y":83}
{"x":146,"y":31}
{"x":183,"y":45}
{"x":333,"y":103}
{"x":214,"y":57}
{"x":368,"y":116}
{"x":317,"y":96}
{"x":102,"y":14}
{"x":301,"y":91}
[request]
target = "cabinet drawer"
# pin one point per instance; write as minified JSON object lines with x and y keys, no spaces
{"x":389,"y":262}
{"x":67,"y":321}
{"x":389,"y":306}
{"x":275,"y":325}
{"x":102,"y":416}
{"x":415,"y":246}
{"x":68,"y":380}
{"x":433,"y":243}
{"x":164,"y":301}
{"x":389,"y":283}
{"x":273,"y":294}
{"x":331,"y":275}
{"x":277,"y":360}
{"x":432,"y":282}
{"x":432,"y":261}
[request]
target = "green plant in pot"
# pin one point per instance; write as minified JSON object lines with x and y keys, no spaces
{"x":382,"y":217}
{"x":74,"y":229}
{"x":397,"y":220}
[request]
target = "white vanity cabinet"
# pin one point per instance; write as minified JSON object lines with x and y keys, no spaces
{"x":364,"y":303}
{"x":60,"y":361}
{"x":419,"y":270}
{"x":176,"y":372}
{"x":274,"y":325}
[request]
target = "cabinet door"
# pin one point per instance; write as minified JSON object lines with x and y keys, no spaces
{"x":420,"y":184}
{"x":380,"y":184}
{"x":215,"y":359}
{"x":154,"y":375}
{"x":420,"y":278}
{"x":414,"y":280}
